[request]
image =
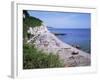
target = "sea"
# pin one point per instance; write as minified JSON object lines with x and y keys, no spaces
{"x":75,"y":37}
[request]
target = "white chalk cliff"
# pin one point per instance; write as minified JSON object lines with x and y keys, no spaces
{"x":49,"y":43}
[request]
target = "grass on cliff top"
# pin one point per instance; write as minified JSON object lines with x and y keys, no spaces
{"x":32,"y":21}
{"x":33,"y":58}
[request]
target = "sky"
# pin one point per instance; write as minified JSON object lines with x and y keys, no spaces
{"x":63,"y":19}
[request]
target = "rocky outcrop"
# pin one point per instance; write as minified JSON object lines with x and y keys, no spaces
{"x":46,"y":41}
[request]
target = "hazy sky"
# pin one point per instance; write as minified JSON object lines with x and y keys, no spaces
{"x":63,"y":19}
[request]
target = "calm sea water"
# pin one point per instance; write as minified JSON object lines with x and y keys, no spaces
{"x":81,"y":37}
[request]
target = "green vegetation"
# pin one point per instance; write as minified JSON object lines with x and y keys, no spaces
{"x":25,"y":13}
{"x":29,"y":21}
{"x":32,"y":21}
{"x":33,"y":58}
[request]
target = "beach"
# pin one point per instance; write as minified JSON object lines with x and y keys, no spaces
{"x":49,"y":43}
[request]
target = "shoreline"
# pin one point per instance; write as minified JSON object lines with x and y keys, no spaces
{"x":74,"y":37}
{"x":71,"y":56}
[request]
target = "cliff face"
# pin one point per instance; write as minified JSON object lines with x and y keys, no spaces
{"x":44,"y":40}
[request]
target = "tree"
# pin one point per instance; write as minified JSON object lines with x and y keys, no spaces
{"x":26,"y":13}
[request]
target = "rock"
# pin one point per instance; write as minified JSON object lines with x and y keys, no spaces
{"x":75,"y":53}
{"x":77,"y":46}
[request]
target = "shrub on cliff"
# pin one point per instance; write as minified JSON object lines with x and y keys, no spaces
{"x":32,"y":21}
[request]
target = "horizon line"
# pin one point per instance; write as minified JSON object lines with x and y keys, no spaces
{"x":67,"y":28}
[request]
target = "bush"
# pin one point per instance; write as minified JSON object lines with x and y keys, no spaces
{"x":33,"y":58}
{"x":32,"y":21}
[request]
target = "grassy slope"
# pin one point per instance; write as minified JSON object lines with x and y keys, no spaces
{"x":33,"y":58}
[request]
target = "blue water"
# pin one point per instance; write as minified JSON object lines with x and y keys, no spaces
{"x":81,"y":37}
